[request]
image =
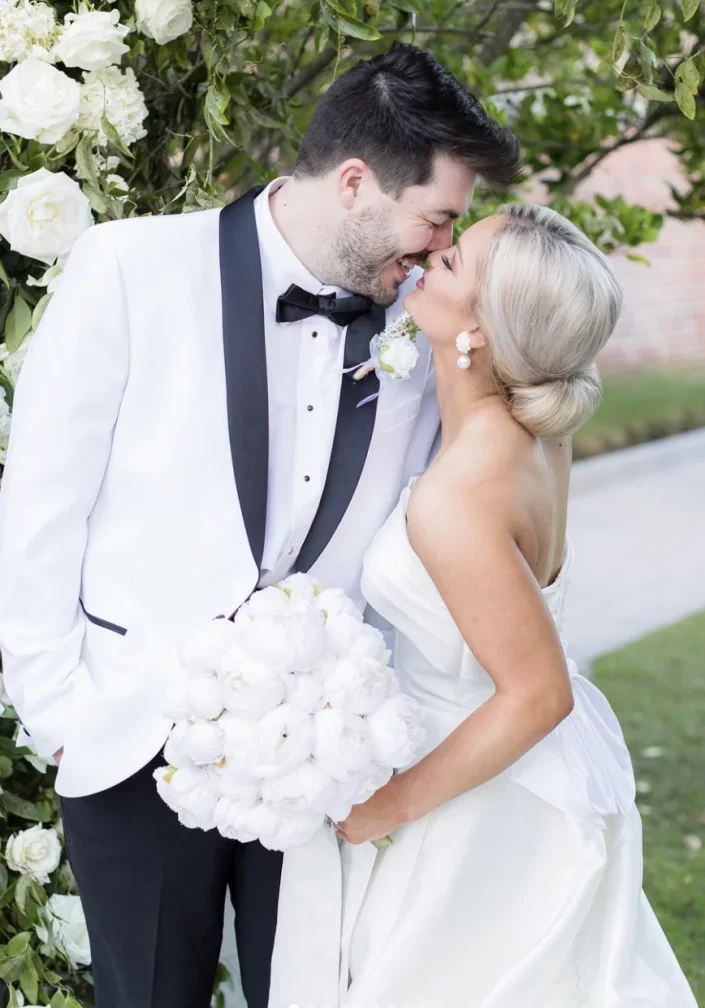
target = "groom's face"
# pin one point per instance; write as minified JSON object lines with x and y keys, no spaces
{"x":384,"y":237}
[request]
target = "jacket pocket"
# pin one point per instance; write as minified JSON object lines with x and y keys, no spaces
{"x":106,"y":624}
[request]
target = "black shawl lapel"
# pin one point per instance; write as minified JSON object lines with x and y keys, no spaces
{"x":351,"y":443}
{"x":245,"y":363}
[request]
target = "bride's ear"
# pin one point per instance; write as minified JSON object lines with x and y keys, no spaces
{"x":477,"y":337}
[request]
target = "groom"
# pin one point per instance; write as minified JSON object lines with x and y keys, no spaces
{"x":183,"y":432}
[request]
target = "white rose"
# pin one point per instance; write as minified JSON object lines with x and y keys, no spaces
{"x":115,"y":94}
{"x":5,"y":423}
{"x":304,"y":690}
{"x":334,"y":602}
{"x":284,"y":740}
{"x":341,"y":746}
{"x":35,"y":851}
{"x":191,"y":792}
{"x":288,"y":641}
{"x":398,"y":357}
{"x":39,"y":102}
{"x":395,"y":731}
{"x":26,"y":29}
{"x":305,"y":790}
{"x":92,"y":40}
{"x":164,"y":20}
{"x":44,"y":215}
{"x":206,"y":647}
{"x":64,"y":928}
{"x":249,"y":688}
{"x":358,"y":685}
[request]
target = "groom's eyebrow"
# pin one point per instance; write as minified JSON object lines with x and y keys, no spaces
{"x":450,"y":214}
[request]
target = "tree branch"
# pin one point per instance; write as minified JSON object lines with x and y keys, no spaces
{"x":507,"y":29}
{"x":312,"y":70}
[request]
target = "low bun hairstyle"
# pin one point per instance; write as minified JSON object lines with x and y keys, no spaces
{"x":548,"y":302}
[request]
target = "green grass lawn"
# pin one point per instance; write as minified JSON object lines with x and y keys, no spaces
{"x":642,"y":406}
{"x":657,"y":688}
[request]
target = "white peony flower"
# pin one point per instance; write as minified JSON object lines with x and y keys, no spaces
{"x":92,"y":40}
{"x":206,"y":647}
{"x":277,"y":831}
{"x":191,"y":792}
{"x":305,"y":790}
{"x":38,"y":102}
{"x":5,"y":423}
{"x":398,"y":357}
{"x":164,"y":20}
{"x":235,"y":785}
{"x":63,"y":928}
{"x":202,"y":695}
{"x":115,"y":94}
{"x":369,"y":782}
{"x":35,"y":851}
{"x":240,"y":746}
{"x":348,"y":637}
{"x":304,"y":690}
{"x":292,"y":641}
{"x":357,"y":685}
{"x":284,"y":740}
{"x":176,"y":752}
{"x":249,"y":688}
{"x":333,"y":602}
{"x":203,"y":742}
{"x":26,"y":29}
{"x":342,"y":745}
{"x":300,"y":588}
{"x":230,"y":818}
{"x":395,"y":731}
{"x":44,"y":215}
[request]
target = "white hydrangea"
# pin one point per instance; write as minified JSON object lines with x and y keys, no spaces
{"x":116,"y":95}
{"x":5,"y":420}
{"x":27,"y":29}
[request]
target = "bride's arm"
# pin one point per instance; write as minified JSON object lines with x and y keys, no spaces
{"x":468,"y":546}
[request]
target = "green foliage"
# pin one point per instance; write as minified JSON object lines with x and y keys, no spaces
{"x":658,"y":691}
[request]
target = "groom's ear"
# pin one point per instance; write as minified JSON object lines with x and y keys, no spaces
{"x":353,"y":175}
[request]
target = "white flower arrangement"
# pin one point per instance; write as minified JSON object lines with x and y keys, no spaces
{"x":63,"y":929}
{"x":35,"y":851}
{"x":285,"y":718}
{"x":393,"y":352}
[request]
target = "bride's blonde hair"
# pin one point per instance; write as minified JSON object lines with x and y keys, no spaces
{"x":548,"y":302}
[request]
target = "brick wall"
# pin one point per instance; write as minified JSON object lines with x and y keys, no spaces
{"x":664,"y":315}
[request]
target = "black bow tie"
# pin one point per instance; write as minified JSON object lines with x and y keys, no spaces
{"x":296,"y":304}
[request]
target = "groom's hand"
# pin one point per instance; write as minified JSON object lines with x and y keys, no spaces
{"x":58,"y":754}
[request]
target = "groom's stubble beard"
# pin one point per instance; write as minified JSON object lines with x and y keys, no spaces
{"x":362,"y":247}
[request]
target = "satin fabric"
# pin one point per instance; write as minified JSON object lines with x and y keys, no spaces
{"x":522,"y":893}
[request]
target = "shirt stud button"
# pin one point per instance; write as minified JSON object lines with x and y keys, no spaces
{"x":310,"y":409}
{"x":307,"y":479}
{"x":314,"y":334}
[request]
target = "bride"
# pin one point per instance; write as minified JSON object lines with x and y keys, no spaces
{"x":514,"y":876}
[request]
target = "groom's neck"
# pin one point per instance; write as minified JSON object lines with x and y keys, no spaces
{"x":305,"y":221}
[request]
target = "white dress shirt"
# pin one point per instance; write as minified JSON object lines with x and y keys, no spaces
{"x":304,"y":370}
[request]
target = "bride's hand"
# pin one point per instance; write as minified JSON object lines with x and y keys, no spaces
{"x":376,"y":818}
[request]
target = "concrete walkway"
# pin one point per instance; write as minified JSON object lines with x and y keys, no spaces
{"x":637,"y":521}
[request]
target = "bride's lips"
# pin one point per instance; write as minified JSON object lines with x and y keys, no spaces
{"x":420,"y":283}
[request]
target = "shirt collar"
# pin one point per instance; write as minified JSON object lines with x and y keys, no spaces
{"x":280,"y":267}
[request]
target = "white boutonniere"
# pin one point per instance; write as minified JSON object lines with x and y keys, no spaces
{"x":393,"y":352}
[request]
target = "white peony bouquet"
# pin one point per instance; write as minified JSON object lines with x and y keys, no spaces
{"x":285,"y":717}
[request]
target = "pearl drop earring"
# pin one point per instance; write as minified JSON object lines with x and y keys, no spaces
{"x":462,"y":342}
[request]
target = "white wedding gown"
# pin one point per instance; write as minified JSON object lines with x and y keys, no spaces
{"x":522,"y":893}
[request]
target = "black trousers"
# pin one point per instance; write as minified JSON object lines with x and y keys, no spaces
{"x":154,"y":893}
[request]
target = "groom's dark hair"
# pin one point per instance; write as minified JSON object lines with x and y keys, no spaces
{"x":397,"y":112}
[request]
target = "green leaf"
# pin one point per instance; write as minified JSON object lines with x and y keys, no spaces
{"x":685,"y":100}
{"x":29,"y":982}
{"x":22,"y":890}
{"x":12,"y":968}
{"x":58,"y":1001}
{"x":687,"y":73}
{"x":653,"y":93}
{"x":18,"y":324}
{"x":3,"y":275}
{"x":23,"y":809}
{"x":9,"y":177}
{"x":4,"y":879}
{"x":652,"y":16}
{"x":5,"y":767}
{"x":84,"y":159}
{"x":96,"y":199}
{"x":348,"y":25}
{"x":39,"y":310}
{"x":115,"y":139}
{"x":19,"y":944}
{"x":217,"y":101}
{"x":689,"y":8}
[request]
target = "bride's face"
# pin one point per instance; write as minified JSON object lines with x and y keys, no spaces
{"x":442,"y":304}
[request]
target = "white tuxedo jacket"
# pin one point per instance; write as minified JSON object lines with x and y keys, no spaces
{"x":134,"y":498}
